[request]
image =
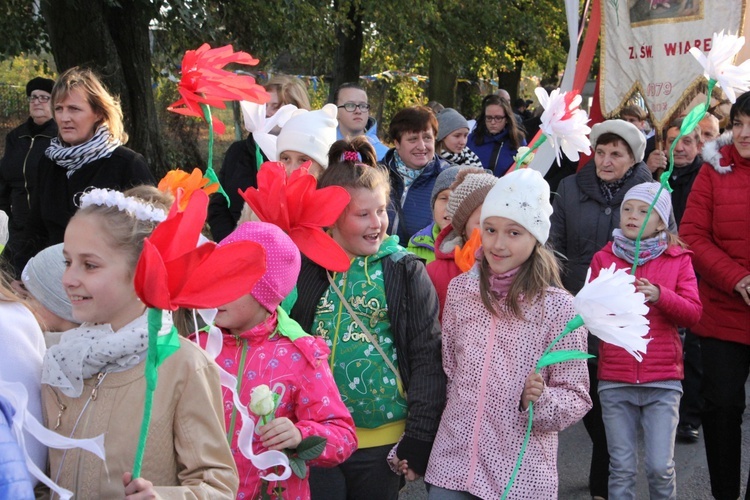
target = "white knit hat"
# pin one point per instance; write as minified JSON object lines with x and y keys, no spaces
{"x":646,"y":192}
{"x":310,"y":132}
{"x":523,"y":197}
{"x":629,"y":133}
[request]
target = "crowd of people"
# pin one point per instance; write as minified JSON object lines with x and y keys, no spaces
{"x":418,"y":359}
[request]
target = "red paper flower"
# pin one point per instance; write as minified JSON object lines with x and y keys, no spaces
{"x":174,"y":272}
{"x":300,"y":210}
{"x":204,"y":82}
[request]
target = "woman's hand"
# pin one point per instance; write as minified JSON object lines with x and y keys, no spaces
{"x":279,"y":434}
{"x":138,"y":489}
{"x":743,"y":288}
{"x":648,"y":289}
{"x":532,"y":390}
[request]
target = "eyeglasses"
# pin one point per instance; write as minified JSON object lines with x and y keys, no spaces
{"x":494,"y":118}
{"x":351,"y":106}
{"x":40,"y":98}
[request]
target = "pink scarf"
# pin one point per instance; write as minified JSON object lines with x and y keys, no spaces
{"x":500,"y":283}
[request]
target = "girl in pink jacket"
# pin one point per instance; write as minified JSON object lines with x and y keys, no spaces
{"x":499,"y":317}
{"x":646,"y":394}
{"x":262,"y":345}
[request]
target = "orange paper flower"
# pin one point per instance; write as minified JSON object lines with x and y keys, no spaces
{"x":466,"y":256}
{"x":300,"y":210}
{"x":205,"y":82}
{"x":189,"y":183}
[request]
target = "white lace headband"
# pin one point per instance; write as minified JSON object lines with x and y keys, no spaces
{"x":111,"y":198}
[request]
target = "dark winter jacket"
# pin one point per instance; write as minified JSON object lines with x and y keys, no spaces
{"x":24,"y":148}
{"x":54,"y":201}
{"x":239,"y":171}
{"x":716,"y":226}
{"x":681,"y":182}
{"x":583,"y":221}
{"x":499,"y":163}
{"x":412,"y":311}
{"x":410,"y":211}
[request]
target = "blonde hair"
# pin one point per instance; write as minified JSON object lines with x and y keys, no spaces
{"x":290,"y":90}
{"x":540,"y":271}
{"x":123,"y":230}
{"x":100,"y":100}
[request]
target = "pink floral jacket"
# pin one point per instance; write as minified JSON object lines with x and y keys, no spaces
{"x":309,"y":397}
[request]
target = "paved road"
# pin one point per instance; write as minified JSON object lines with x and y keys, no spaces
{"x":575,"y":454}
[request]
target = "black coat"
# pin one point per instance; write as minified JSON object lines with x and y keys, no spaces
{"x":24,"y":149}
{"x":238,"y":171}
{"x":54,"y":200}
{"x":413,"y":313}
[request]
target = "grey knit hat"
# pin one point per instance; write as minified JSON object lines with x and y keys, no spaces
{"x":646,"y":192}
{"x":42,"y":277}
{"x":469,"y":190}
{"x":443,"y":182}
{"x":449,"y":120}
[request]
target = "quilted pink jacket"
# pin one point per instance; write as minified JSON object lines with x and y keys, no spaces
{"x":487,"y":360}
{"x":299,"y":370}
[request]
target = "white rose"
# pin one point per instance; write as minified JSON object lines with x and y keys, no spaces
{"x":522,"y":151}
{"x":262,"y":401}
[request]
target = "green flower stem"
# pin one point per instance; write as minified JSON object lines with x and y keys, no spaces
{"x":540,"y":140}
{"x":573,"y":324}
{"x":688,"y":125}
{"x":520,"y":456}
{"x":152,"y":376}
{"x":210,"y":172}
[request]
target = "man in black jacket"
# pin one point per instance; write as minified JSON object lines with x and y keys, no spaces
{"x":24,"y":147}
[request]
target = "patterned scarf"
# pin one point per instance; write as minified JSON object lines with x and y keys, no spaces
{"x":466,"y":158}
{"x":409,"y":175}
{"x":90,"y":349}
{"x":609,"y":189}
{"x":651,"y":248}
{"x":74,"y":157}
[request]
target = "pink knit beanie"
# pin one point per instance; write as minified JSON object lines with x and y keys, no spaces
{"x":282,"y":261}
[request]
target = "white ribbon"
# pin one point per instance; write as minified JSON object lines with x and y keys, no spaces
{"x":18,"y":398}
{"x":262,"y":461}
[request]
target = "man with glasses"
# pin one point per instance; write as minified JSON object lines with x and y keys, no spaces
{"x":24,"y":147}
{"x":354,"y":116}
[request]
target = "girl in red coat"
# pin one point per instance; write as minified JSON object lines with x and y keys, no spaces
{"x":646,"y":393}
{"x":263,"y":346}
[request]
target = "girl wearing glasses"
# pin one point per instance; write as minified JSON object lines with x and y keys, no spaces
{"x":496,"y":138}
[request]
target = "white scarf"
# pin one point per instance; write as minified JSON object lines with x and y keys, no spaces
{"x":90,"y":349}
{"x":101,"y":145}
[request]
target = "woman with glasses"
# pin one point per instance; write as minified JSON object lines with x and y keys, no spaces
{"x":496,"y":138}
{"x":88,"y":152}
{"x":24,"y":147}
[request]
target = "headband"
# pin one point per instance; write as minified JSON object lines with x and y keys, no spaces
{"x":111,"y":198}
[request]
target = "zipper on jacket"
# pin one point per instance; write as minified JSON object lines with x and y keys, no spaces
{"x":335,"y":340}
{"x":23,"y":172}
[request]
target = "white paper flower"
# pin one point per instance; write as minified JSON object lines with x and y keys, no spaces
{"x":521,"y":154}
{"x":261,"y":401}
{"x":717,"y":65}
{"x":613,"y":311}
{"x":564,"y":122}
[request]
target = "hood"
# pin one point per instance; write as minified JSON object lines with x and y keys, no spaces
{"x":712,"y":152}
{"x":447,"y":242}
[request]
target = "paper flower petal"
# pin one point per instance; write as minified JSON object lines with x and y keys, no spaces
{"x":613,"y":311}
{"x":717,"y":64}
{"x":564,"y":123}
